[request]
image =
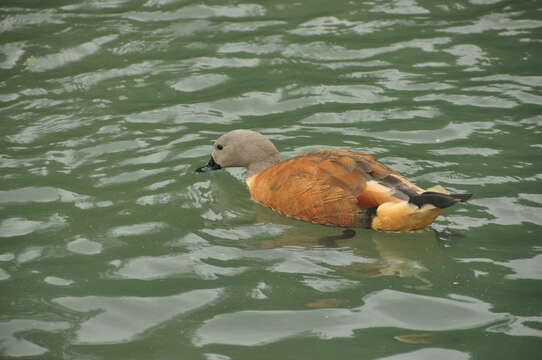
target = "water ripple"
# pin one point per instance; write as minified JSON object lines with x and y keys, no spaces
{"x":115,"y":322}
{"x":15,"y":346}
{"x":19,"y":21}
{"x":330,"y":25}
{"x":470,"y":100}
{"x":12,"y":53}
{"x":322,"y":51}
{"x":404,"y":7}
{"x":67,"y":56}
{"x":495,"y":22}
{"x":16,"y":226}
{"x":199,"y":12}
{"x":380,"y":309}
{"x":82,"y":82}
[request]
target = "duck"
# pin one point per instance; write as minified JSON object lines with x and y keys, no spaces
{"x":344,"y":188}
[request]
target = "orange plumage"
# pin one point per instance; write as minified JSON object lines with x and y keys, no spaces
{"x":334,"y":187}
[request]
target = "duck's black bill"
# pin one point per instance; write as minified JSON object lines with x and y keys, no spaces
{"x":211,"y":165}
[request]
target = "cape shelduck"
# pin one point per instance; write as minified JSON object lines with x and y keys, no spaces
{"x":332,"y":187}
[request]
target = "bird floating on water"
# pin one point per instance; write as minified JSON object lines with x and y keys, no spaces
{"x":331,"y":187}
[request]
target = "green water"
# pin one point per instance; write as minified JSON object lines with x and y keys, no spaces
{"x":112,"y":247}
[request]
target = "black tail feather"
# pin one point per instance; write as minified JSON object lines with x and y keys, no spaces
{"x":439,"y":200}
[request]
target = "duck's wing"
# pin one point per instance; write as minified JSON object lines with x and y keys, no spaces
{"x":376,"y":182}
{"x":336,"y":187}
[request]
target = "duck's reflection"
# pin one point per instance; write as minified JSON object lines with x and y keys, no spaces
{"x":420,"y":255}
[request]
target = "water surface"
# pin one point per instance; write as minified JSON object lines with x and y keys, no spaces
{"x":112,"y":247}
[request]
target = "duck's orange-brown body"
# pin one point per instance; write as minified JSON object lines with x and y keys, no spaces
{"x":343,"y":188}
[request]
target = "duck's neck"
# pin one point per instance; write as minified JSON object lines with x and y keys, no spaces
{"x":255,"y":168}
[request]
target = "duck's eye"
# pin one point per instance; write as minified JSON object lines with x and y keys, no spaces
{"x":219,"y":147}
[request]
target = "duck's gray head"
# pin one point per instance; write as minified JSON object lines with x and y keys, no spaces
{"x":242,"y":148}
